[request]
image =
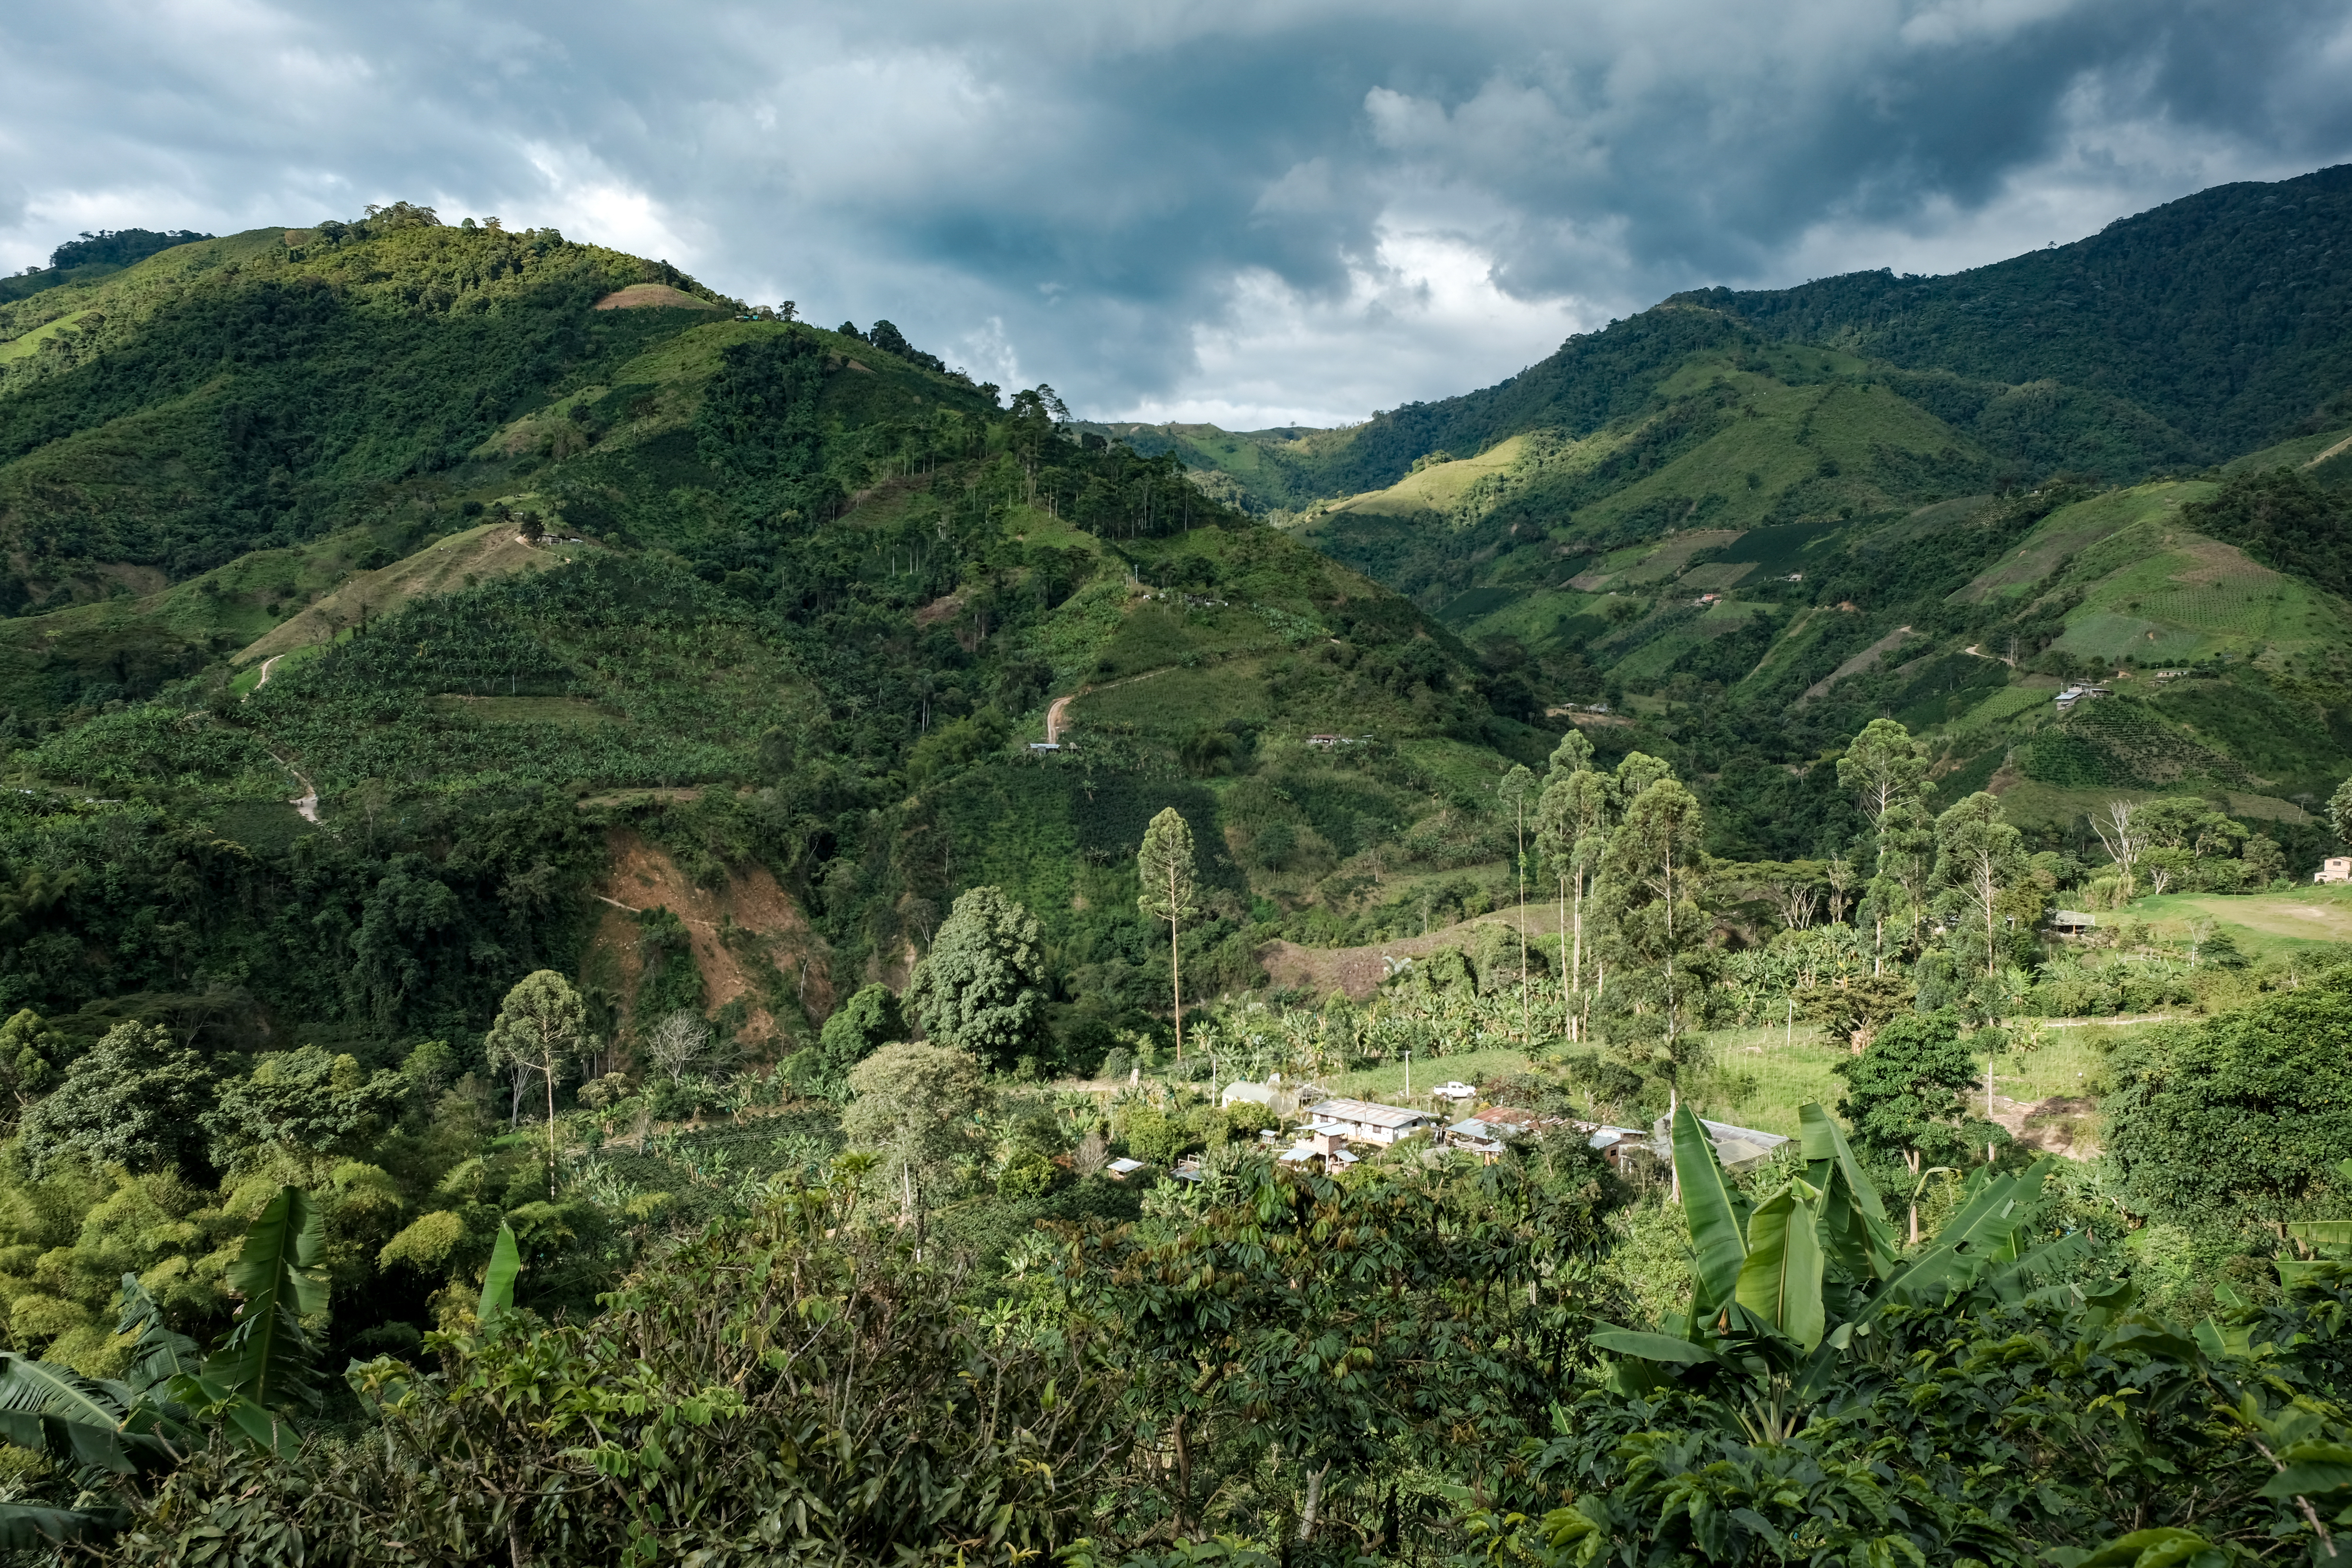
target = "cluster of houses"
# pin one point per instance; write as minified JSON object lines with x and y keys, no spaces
{"x":1332,"y":1133}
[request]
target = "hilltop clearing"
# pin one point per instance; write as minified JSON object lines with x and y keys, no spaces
{"x":472,"y":555}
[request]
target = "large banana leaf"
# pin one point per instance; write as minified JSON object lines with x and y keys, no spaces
{"x":1824,"y":1146}
{"x":74,"y":1420}
{"x":266,"y":1357}
{"x":1655,"y":1347}
{"x":2008,"y":1280}
{"x":1713,"y":1210}
{"x":1854,"y":1224}
{"x":158,"y":1354}
{"x":2319,"y":1233}
{"x":1971,"y":1241}
{"x":1781,"y":1282}
{"x":26,"y":1526}
{"x":498,"y":1286}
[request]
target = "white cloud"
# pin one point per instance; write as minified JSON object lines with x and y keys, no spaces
{"x":1284,"y":209}
{"x":1421,"y":317}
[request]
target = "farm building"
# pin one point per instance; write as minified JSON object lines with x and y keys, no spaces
{"x":1362,"y":1121}
{"x":1739,"y":1148}
{"x":1273,"y":1094}
{"x":1618,"y":1145}
{"x":2335,"y":869}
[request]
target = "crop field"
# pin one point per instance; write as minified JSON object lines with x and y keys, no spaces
{"x":2033,"y":802}
{"x":1178,"y":700}
{"x":1440,"y":487}
{"x":1671,"y":556}
{"x":2070,"y":531}
{"x":1157,"y":634}
{"x":2233,"y":610}
{"x":2007,"y":703}
{"x":1717,"y":576}
{"x":2110,"y":636}
{"x":1790,"y":546}
{"x":521,"y":709}
{"x":1530,"y":616}
{"x":2303,"y":451}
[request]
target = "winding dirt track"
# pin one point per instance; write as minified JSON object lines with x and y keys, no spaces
{"x":307,"y":803}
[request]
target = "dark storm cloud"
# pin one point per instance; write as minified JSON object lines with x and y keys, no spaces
{"x":1250,"y":212}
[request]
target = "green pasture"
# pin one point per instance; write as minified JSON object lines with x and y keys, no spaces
{"x":2264,"y":925}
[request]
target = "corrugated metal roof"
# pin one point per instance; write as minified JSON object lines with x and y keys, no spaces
{"x":1364,"y":1113}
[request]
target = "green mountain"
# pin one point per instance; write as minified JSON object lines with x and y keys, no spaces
{"x":2202,"y":329}
{"x":400,"y":606}
{"x":92,"y":256}
{"x":1746,"y":523}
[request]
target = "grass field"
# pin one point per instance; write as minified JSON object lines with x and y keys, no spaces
{"x":1438,"y":488}
{"x":523,"y":710}
{"x":2264,"y":925}
{"x":2030,"y":803}
{"x":485,"y":551}
{"x":1760,"y":1077}
{"x":1387,"y":1083}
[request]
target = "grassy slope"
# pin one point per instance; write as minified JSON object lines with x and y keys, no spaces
{"x":2116,"y":577}
{"x":475,"y":555}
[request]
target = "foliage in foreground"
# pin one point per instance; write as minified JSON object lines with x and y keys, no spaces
{"x":770,"y":1393}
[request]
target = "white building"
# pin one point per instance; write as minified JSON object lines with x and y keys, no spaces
{"x":1362,"y":1121}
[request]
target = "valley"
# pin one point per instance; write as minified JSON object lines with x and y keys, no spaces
{"x":451,"y":674}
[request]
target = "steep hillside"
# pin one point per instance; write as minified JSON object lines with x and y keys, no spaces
{"x":2173,"y":339}
{"x":1779,"y":543}
{"x":406,"y":606}
{"x":91,"y":257}
{"x":2221,"y":314}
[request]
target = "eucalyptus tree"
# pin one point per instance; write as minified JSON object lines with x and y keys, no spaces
{"x":1518,"y":791}
{"x":1164,"y":868}
{"x":1572,"y":820}
{"x":1651,"y":878}
{"x":1978,"y":859}
{"x":541,"y":1027}
{"x":1887,"y":770}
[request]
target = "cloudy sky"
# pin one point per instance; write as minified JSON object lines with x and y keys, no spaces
{"x":1253,"y":212}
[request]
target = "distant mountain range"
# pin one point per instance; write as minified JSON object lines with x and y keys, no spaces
{"x":2196,"y":332}
{"x":1757,"y":518}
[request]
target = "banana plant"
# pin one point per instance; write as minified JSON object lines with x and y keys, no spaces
{"x":262,"y":1371}
{"x":110,"y":1433}
{"x":1786,"y":1282}
{"x":98,"y":1430}
{"x":2329,"y":1240}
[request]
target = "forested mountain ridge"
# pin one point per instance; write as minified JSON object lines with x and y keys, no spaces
{"x":92,"y":256}
{"x":2187,"y":334}
{"x":1745,"y":522}
{"x":511,"y":553}
{"x":2221,"y":314}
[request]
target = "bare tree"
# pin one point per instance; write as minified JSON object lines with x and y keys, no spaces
{"x":677,"y":1044}
{"x":1796,"y":899}
{"x":2125,"y":837}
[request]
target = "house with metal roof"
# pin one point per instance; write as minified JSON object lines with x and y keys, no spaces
{"x":1273,"y":1094}
{"x":1739,"y":1148}
{"x":1362,"y":1121}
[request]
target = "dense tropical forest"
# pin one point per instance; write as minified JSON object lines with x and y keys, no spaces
{"x":638,"y":932}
